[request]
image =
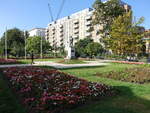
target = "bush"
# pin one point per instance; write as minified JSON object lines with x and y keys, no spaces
{"x":135,"y":75}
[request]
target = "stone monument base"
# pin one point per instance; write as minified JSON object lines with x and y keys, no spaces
{"x":71,"y":53}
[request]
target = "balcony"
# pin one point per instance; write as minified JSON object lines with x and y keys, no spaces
{"x":60,"y":30}
{"x":61,"y":26}
{"x":76,"y":26}
{"x":88,"y":28}
{"x":61,"y":35}
{"x":88,"y":18}
{"x":47,"y":35}
{"x":47,"y":38}
{"x":88,"y":34}
{"x":76,"y":31}
{"x":53,"y":32}
{"x":53,"y":28}
{"x":53,"y":37}
{"x":88,"y":23}
{"x":53,"y":41}
{"x":61,"y":44}
{"x":76,"y":22}
{"x":76,"y":37}
{"x":61,"y":40}
{"x":47,"y":30}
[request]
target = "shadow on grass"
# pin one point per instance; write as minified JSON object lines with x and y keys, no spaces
{"x":8,"y":102}
{"x":125,"y":102}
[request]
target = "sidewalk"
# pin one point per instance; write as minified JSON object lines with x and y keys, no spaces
{"x":58,"y":65}
{"x":63,"y":66}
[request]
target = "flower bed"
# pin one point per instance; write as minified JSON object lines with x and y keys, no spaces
{"x":8,"y":61}
{"x":127,"y":62}
{"x":138,"y":75}
{"x":51,"y":91}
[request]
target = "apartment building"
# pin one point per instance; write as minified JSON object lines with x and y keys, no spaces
{"x":77,"y":26}
{"x":37,"y":32}
{"x":147,"y":40}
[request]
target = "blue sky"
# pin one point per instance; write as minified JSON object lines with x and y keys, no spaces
{"x":28,"y":14}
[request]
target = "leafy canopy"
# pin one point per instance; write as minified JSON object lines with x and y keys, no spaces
{"x":106,"y":12}
{"x":86,"y":47}
{"x":15,"y":42}
{"x":94,"y":49}
{"x":125,"y":36}
{"x":34,"y":44}
{"x":81,"y":45}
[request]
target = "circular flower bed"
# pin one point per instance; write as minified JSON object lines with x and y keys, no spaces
{"x":52,"y":91}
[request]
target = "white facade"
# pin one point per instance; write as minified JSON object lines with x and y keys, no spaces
{"x":37,"y":32}
{"x":76,"y":26}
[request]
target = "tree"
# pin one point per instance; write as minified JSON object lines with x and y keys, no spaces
{"x":80,"y":47}
{"x":125,"y":36}
{"x":93,"y":49}
{"x":15,"y":42}
{"x":105,"y":13}
{"x":34,"y":44}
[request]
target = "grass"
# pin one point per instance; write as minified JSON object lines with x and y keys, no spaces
{"x":73,"y":61}
{"x":133,"y":98}
{"x":139,"y":75}
{"x":8,"y":103}
{"x":28,"y":61}
{"x":57,"y":60}
{"x":89,"y":71}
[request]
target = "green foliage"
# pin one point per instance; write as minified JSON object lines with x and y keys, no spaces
{"x":125,"y":38}
{"x":62,"y":52}
{"x":81,"y":45}
{"x":87,"y":47}
{"x":105,"y":13}
{"x":94,"y":49}
{"x":134,"y":75}
{"x":34,"y":44}
{"x":72,"y":61}
{"x":15,"y":43}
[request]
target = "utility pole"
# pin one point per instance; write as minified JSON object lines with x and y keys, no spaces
{"x":41,"y":45}
{"x":6,"y":44}
{"x":25,"y":49}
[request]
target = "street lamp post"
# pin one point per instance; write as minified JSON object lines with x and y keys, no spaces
{"x":41,"y":46}
{"x":148,"y":59}
{"x":25,"y":49}
{"x":147,"y":40}
{"x":6,"y":44}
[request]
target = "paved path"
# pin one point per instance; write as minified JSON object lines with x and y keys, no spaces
{"x":62,"y":66}
{"x":58,"y":65}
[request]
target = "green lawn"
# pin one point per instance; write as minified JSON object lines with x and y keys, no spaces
{"x":28,"y":61}
{"x":133,"y":98}
{"x":58,"y":60}
{"x":74,"y":61}
{"x":8,"y":103}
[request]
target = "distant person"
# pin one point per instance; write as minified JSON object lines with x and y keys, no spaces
{"x":32,"y":57}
